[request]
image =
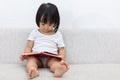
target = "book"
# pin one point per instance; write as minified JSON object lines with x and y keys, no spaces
{"x":41,"y":54}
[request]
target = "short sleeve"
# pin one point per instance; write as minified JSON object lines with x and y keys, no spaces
{"x":60,"y":41}
{"x":32,"y":35}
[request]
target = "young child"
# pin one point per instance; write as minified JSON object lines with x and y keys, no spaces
{"x":46,"y":38}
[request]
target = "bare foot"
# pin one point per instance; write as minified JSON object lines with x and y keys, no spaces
{"x":60,"y":71}
{"x":33,"y":73}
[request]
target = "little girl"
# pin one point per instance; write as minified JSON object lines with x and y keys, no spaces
{"x":46,"y":39}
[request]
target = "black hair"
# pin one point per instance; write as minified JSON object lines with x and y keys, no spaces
{"x":48,"y":13}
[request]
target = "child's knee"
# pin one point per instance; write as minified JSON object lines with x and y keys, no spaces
{"x":62,"y":66}
{"x":57,"y":65}
{"x":32,"y":62}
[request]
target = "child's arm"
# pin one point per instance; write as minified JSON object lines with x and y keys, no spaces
{"x":28,"y":48}
{"x":61,"y":52}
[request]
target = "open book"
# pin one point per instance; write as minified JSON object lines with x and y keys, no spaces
{"x":41,"y":54}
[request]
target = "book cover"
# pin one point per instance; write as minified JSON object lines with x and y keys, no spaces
{"x":40,"y":54}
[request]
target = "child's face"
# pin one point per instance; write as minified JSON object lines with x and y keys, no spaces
{"x":46,"y":27}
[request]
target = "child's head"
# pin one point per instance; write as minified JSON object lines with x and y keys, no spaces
{"x":48,"y":14}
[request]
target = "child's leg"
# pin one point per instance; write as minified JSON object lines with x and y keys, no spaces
{"x":57,"y":68}
{"x":32,"y":65}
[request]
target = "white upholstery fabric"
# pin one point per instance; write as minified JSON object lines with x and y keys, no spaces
{"x":76,"y":72}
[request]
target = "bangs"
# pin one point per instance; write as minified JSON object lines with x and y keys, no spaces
{"x":46,"y":18}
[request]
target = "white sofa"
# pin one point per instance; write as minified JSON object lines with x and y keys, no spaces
{"x":92,"y":55}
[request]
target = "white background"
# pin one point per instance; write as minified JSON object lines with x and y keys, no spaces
{"x":90,"y":14}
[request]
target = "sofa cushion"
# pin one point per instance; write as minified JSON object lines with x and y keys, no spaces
{"x":76,"y":72}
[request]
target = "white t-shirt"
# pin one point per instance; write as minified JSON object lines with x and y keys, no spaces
{"x":46,"y":43}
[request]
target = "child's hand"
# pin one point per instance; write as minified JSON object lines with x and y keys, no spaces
{"x":22,"y":58}
{"x":60,"y":56}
